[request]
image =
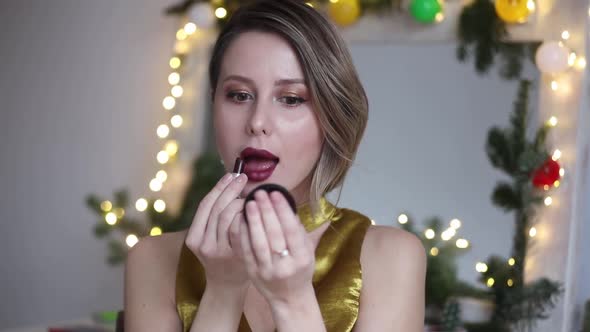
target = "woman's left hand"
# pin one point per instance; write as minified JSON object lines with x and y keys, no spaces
{"x":273,"y":227}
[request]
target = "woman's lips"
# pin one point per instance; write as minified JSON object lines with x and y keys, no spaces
{"x":259,"y":169}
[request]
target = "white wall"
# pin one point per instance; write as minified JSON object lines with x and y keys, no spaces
{"x":81,"y":84}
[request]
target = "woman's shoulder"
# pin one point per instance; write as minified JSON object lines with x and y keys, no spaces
{"x":383,"y":240}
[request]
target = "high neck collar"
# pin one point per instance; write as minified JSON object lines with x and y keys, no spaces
{"x":325,"y":212}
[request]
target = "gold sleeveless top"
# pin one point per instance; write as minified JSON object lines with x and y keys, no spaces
{"x":337,"y":278}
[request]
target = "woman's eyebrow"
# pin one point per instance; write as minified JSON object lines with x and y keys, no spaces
{"x":284,"y":81}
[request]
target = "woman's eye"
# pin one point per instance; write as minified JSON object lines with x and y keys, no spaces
{"x":239,"y":97}
{"x":292,"y":100}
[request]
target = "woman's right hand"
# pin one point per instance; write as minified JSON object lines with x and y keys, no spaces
{"x":209,"y":236}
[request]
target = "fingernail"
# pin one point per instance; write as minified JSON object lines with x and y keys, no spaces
{"x":227,"y":178}
{"x":240,"y":178}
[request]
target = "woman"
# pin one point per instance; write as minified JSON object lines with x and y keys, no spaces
{"x":287,"y":99}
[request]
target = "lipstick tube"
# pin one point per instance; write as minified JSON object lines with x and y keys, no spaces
{"x":238,"y":167}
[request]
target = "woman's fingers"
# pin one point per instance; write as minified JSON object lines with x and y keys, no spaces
{"x":246,"y":248}
{"x":226,"y":219}
{"x":197,"y":229}
{"x":270,"y":220}
{"x":293,"y":231}
{"x":228,"y":195}
{"x":258,"y":241}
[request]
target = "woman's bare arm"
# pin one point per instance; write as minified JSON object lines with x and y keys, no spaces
{"x":393,"y":291}
{"x":220,"y":310}
{"x":150,"y":277}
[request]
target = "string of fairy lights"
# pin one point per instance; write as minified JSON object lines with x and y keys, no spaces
{"x":165,"y":131}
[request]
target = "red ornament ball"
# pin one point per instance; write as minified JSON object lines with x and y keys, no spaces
{"x":547,"y":174}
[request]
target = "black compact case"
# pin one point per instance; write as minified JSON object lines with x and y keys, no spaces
{"x":270,"y":187}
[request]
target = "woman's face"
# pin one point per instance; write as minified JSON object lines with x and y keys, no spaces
{"x":261,"y":102}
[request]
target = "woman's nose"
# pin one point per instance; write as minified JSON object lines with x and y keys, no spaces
{"x":259,"y":122}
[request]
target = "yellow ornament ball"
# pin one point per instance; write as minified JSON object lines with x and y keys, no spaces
{"x":344,"y":12}
{"x":513,"y":11}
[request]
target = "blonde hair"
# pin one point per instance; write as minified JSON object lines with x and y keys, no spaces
{"x":336,"y":92}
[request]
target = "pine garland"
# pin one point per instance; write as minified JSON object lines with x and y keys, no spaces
{"x":482,"y":36}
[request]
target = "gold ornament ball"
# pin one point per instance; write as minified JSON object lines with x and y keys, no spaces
{"x":344,"y":12}
{"x":513,"y":11}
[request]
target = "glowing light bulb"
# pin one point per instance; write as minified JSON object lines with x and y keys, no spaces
{"x":163,"y":157}
{"x":159,"y":206}
{"x":462,"y":243}
{"x":110,"y":218}
{"x":163,"y":131}
{"x":510,"y":282}
{"x":571,"y":59}
{"x":552,"y":121}
{"x":533,"y":232}
{"x":176,"y":91}
{"x":174,"y":78}
{"x":561,"y":172}
{"x":511,"y":261}
{"x":490,"y":282}
{"x":190,"y":28}
{"x":548,"y":200}
{"x":456,"y":223}
{"x":131,"y":240}
{"x":119,"y":212}
{"x":155,"y":185}
{"x":581,"y":63}
{"x":402,"y":219}
{"x":169,"y":102}
{"x":439,"y":17}
{"x":162,"y":176}
{"x":434,"y":251}
{"x":481,"y":267}
{"x":448,"y":234}
{"x":565,"y":35}
{"x":531,"y":5}
{"x":556,"y":154}
{"x":220,"y":12}
{"x":181,"y":34}
{"x":171,"y":147}
{"x":106,"y":206}
{"x":309,"y":4}
{"x":155,"y":231}
{"x":141,"y":204}
{"x":429,"y":233}
{"x":554,"y":85}
{"x":175,"y":62}
{"x":176,"y":121}
{"x":372,"y":222}
{"x":545,"y":187}
{"x":556,"y":183}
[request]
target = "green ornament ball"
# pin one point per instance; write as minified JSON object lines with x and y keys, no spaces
{"x":425,"y":11}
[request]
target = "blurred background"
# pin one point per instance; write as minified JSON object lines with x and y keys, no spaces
{"x":83,"y":87}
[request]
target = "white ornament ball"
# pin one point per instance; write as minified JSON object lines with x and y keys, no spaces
{"x":552,"y":57}
{"x":203,"y":15}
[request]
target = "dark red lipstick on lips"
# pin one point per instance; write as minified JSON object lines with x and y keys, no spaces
{"x":259,"y":164}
